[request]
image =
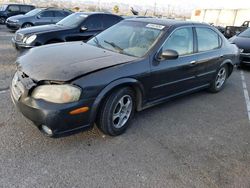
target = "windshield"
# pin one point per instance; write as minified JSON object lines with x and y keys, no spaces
{"x":129,"y":37}
{"x":3,"y":7}
{"x":73,"y":20}
{"x":245,"y":33}
{"x":33,"y":12}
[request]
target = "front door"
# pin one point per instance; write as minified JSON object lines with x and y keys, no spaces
{"x":173,"y":77}
{"x":45,"y":17}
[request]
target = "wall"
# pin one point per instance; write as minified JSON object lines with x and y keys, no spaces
{"x":221,"y":17}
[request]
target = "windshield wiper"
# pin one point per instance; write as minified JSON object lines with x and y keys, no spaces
{"x":114,"y":46}
{"x":97,"y":42}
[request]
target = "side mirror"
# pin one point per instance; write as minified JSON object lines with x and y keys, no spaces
{"x":168,"y":54}
{"x":38,"y":17}
{"x":84,"y":28}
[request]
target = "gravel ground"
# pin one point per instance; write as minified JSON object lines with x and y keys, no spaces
{"x":201,"y":140}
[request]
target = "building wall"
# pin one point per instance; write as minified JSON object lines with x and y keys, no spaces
{"x":221,"y":17}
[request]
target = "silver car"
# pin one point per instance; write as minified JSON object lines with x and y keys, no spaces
{"x":38,"y":16}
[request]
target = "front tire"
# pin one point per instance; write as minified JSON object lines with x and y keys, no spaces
{"x":26,"y":25}
{"x":219,"y":80}
{"x":2,"y":20}
{"x":116,"y":112}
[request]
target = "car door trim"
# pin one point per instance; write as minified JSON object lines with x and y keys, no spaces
{"x":174,"y":82}
{"x":206,"y":73}
{"x":167,"y":98}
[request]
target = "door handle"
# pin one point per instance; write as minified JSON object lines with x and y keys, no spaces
{"x":192,"y":63}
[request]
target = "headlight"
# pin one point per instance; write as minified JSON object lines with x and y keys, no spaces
{"x":24,"y":39}
{"x":15,"y":21}
{"x":30,"y":39}
{"x":57,"y":93}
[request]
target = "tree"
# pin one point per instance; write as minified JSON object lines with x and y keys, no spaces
{"x":116,"y":9}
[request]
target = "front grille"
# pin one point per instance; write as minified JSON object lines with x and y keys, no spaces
{"x":9,"y":21}
{"x":19,"y":37}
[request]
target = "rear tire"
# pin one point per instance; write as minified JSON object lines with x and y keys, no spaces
{"x":219,"y":80}
{"x":116,"y":112}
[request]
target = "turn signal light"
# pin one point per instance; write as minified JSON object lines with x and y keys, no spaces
{"x":79,"y":110}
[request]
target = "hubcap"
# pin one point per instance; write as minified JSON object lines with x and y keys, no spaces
{"x":221,"y":77}
{"x":122,"y":111}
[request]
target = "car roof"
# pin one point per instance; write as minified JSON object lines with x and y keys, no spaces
{"x":17,"y":4}
{"x":165,"y":22}
{"x":90,"y":13}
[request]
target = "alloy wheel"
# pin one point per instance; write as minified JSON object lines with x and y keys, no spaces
{"x":122,"y":111}
{"x":221,"y":78}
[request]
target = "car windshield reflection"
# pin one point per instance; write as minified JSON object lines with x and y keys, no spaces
{"x":128,"y":37}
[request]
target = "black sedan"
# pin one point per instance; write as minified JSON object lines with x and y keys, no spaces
{"x":242,"y":40}
{"x":135,"y":64}
{"x":75,"y":27}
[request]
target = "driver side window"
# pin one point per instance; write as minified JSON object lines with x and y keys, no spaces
{"x":181,"y":41}
{"x":94,"y":23}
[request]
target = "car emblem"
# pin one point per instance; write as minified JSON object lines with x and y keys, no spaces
{"x":241,"y":50}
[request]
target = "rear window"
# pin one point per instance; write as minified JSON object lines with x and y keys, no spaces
{"x":59,"y":14}
{"x":207,"y":39}
{"x":26,"y":8}
{"x":245,"y":33}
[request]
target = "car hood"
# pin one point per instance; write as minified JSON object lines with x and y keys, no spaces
{"x":66,"y":61}
{"x":18,"y":17}
{"x":41,"y":29}
{"x":242,"y":43}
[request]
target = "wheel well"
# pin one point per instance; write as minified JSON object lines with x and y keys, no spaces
{"x":135,"y":88}
{"x":230,"y":68}
{"x":28,"y":23}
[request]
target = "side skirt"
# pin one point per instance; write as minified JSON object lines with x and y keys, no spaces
{"x":168,"y":98}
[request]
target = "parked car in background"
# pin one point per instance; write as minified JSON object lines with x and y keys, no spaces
{"x":9,"y":10}
{"x":39,"y":16}
{"x":242,"y":40}
{"x":130,"y":17}
{"x":135,"y":64}
{"x":76,"y":27}
{"x":220,"y":28}
{"x":234,"y":30}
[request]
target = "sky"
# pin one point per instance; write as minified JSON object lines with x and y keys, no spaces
{"x":190,"y":4}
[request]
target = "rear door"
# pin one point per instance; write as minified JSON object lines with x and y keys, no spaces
{"x":209,"y":54}
{"x":173,"y":77}
{"x":24,"y":9}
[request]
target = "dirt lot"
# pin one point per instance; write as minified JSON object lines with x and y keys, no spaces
{"x":201,"y":140}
